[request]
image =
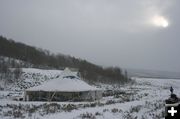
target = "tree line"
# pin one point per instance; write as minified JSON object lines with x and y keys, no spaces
{"x":40,"y":58}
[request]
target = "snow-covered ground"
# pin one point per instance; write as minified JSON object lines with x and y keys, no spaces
{"x":31,"y":77}
{"x":143,"y":99}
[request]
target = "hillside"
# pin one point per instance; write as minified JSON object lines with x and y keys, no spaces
{"x":30,"y":77}
{"x":40,"y":58}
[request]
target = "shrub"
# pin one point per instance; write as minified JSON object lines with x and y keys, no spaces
{"x":135,"y":109}
{"x":69,"y":107}
{"x":98,"y":114}
{"x":110,"y":102}
{"x":17,"y":114}
{"x":87,"y":116}
{"x":114,"y":110}
{"x":105,"y":110}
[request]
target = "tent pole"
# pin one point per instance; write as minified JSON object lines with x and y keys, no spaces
{"x":53,"y":95}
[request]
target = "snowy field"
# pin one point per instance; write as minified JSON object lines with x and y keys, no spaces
{"x":143,"y":99}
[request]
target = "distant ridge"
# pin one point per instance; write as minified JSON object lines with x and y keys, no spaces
{"x":153,"y":74}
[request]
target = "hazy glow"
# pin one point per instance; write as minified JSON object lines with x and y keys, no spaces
{"x":160,"y":21}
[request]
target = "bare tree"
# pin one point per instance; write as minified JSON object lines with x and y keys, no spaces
{"x":17,"y":73}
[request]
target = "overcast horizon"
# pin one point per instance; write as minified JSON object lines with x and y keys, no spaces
{"x":138,"y":34}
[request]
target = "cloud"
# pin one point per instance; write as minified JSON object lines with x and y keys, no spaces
{"x":156,"y":8}
{"x":107,"y":32}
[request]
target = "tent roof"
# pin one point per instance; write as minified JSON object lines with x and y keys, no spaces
{"x":68,"y":72}
{"x":68,"y":82}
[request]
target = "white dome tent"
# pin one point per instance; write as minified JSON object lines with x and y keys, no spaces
{"x":68,"y":87}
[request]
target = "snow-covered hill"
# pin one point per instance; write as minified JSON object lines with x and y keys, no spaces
{"x":31,"y":77}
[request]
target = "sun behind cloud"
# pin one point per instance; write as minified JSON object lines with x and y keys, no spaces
{"x":160,"y":21}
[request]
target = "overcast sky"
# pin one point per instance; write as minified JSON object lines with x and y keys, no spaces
{"x":105,"y":32}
